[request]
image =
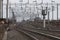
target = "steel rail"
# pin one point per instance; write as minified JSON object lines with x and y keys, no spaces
{"x":27,"y":34}
{"x":41,"y":33}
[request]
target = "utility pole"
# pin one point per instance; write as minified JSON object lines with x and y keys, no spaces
{"x":52,"y":13}
{"x":52,"y":9}
{"x":47,"y":11}
{"x":34,"y":8}
{"x":2,"y":8}
{"x":13,"y":16}
{"x":41,"y":7}
{"x":37,"y":8}
{"x":7,"y":10}
{"x":48,"y":17}
{"x":30,"y":12}
{"x":57,"y":11}
{"x":21,"y":2}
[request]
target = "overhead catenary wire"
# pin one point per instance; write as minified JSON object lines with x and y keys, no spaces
{"x":37,"y":7}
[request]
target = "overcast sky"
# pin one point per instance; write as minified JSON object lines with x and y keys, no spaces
{"x":39,"y":1}
{"x":16,"y":1}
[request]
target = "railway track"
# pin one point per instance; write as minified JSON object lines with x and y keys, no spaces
{"x":27,"y":33}
{"x":50,"y":31}
{"x":38,"y":35}
{"x":43,"y":29}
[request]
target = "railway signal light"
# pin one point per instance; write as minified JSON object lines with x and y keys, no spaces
{"x":44,"y":13}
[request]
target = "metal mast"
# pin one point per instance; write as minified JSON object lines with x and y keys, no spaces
{"x":7,"y":10}
{"x":14,"y":20}
{"x":2,"y":8}
{"x":57,"y":11}
{"x":43,"y":11}
{"x":13,"y":15}
{"x":21,"y":2}
{"x":52,"y":10}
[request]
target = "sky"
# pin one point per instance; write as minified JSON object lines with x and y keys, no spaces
{"x":39,"y":1}
{"x":16,"y":1}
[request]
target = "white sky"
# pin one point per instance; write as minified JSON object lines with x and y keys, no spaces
{"x":45,"y":1}
{"x":16,"y":1}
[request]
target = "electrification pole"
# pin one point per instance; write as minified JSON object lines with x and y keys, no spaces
{"x":7,"y":10}
{"x":57,"y":11}
{"x":41,"y":6}
{"x":21,"y":2}
{"x":48,"y":17}
{"x":37,"y":8}
{"x":30,"y":12}
{"x":52,"y":13}
{"x":52,"y":10}
{"x":2,"y":8}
